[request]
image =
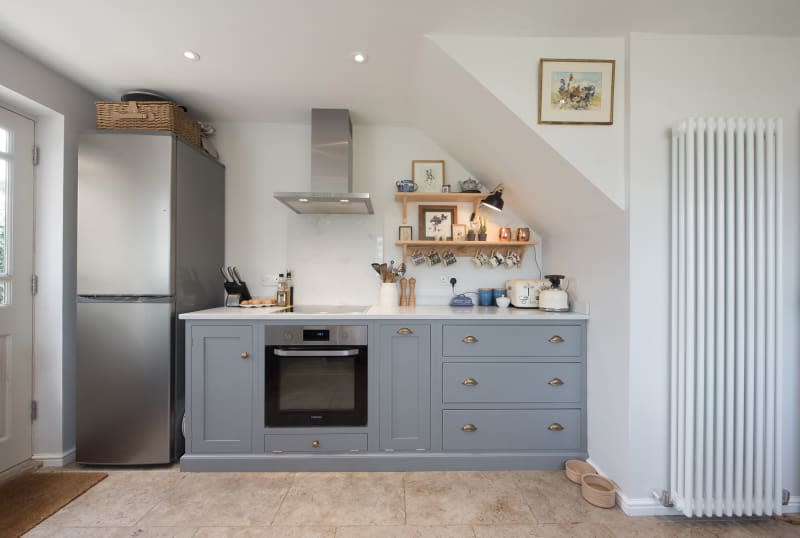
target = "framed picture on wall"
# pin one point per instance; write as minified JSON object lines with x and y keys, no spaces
{"x":459,"y":232}
{"x":404,"y":233}
{"x":576,"y":91}
{"x":428,"y":175}
{"x":436,"y":221}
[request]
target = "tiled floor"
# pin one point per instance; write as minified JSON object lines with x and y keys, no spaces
{"x":166,"y":503}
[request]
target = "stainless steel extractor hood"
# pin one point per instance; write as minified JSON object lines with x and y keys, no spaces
{"x":331,"y":169}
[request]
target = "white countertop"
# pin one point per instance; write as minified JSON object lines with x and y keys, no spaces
{"x":390,"y":312}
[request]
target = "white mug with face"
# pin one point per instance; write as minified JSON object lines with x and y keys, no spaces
{"x":497,"y":259}
{"x":480,"y":259}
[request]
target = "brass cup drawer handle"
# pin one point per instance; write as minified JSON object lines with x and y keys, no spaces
{"x":314,"y":444}
{"x":470,"y":340}
{"x":469,"y":428}
{"x":555,"y":427}
{"x":404,"y":331}
{"x":245,"y":354}
{"x":556,"y":339}
{"x":470,"y":382}
{"x":555,"y":382}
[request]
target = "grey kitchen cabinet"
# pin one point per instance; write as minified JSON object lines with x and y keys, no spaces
{"x":405,"y":386}
{"x":221,"y":415}
{"x":513,"y":387}
{"x":484,"y":340}
{"x":511,"y":397}
{"x":517,"y":429}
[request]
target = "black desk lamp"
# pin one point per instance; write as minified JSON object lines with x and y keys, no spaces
{"x":495,"y":199}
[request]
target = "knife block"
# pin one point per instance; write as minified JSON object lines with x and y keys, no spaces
{"x":232,"y":288}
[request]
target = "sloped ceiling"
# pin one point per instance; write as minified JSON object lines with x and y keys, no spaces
{"x":466,"y":119}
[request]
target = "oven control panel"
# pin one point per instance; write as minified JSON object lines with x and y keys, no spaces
{"x":316,"y":335}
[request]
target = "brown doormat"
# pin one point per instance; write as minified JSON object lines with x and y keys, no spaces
{"x":30,"y":499}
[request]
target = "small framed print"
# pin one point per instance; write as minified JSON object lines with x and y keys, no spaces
{"x":404,"y":233}
{"x":576,"y":91}
{"x":459,"y":232}
{"x":428,"y":175}
{"x":436,"y":221}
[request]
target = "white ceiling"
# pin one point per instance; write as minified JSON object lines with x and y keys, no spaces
{"x":272,"y":60}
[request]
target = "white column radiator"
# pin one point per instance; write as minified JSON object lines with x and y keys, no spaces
{"x":725,"y":326}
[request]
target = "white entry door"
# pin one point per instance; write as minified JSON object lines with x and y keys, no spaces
{"x":16,"y":300}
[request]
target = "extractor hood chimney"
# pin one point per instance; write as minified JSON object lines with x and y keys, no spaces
{"x":331,"y":169}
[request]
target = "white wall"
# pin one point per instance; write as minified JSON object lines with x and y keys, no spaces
{"x":508,"y":67}
{"x":673,"y":77}
{"x":330,"y":255}
{"x":584,"y":232}
{"x":62,"y":110}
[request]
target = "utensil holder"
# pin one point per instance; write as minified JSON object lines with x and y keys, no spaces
{"x":389,"y":294}
{"x":232,"y":288}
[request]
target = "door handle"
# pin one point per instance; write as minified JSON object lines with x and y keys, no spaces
{"x":314,"y":444}
{"x":555,"y":382}
{"x":555,"y":427}
{"x":245,"y":354}
{"x":470,"y":382}
{"x":404,"y":331}
{"x":321,"y":353}
{"x":469,"y":428}
{"x":470,"y":340}
{"x":555,"y":339}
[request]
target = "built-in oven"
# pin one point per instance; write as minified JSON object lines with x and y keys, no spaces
{"x":316,"y":375}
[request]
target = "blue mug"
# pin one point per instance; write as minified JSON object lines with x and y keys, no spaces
{"x":498,"y":292}
{"x":485,"y":297}
{"x":406,"y":185}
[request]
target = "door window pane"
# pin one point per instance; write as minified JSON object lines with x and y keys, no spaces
{"x":3,"y":217}
{"x":4,"y":141}
{"x":4,"y":228}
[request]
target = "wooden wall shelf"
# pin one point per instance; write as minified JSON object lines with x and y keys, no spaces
{"x":464,"y":248}
{"x":453,"y":197}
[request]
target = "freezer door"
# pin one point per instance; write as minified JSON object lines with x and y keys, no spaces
{"x":125,"y":185}
{"x":123,"y":371}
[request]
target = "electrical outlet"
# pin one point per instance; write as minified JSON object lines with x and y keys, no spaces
{"x":270,"y":279}
{"x":445,"y":280}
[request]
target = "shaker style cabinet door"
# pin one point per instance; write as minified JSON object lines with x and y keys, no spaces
{"x":405,"y":387}
{"x":222,"y":389}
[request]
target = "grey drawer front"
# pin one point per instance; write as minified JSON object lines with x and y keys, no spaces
{"x":328,"y":442}
{"x":511,"y":429}
{"x":509,"y":382}
{"x":512,"y":340}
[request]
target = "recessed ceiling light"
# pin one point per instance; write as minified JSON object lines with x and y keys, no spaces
{"x":191,"y":55}
{"x":302,"y":200}
{"x":345,"y":201}
{"x":359,"y":57}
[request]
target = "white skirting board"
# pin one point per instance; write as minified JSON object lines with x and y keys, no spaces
{"x":636,"y":507}
{"x":56,"y":460}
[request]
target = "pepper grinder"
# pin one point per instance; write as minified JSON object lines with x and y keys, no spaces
{"x":412,"y":295}
{"x":403,"y":295}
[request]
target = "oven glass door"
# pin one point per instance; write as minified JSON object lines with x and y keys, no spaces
{"x":316,"y":386}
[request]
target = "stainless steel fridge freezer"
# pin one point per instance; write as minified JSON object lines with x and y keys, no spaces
{"x":150,"y":242}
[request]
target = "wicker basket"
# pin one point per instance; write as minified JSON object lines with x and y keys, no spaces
{"x":598,"y":490}
{"x":575,"y":469}
{"x":148,"y":116}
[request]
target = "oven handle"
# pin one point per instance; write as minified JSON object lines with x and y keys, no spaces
{"x":318,"y":353}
